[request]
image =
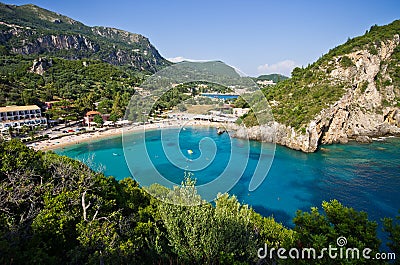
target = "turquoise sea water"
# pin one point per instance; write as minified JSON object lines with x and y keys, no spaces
{"x":363,"y":176}
{"x":219,"y":96}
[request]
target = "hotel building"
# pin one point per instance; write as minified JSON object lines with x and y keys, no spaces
{"x":18,"y":116}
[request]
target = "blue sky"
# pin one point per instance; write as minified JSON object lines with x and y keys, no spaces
{"x":254,"y":36}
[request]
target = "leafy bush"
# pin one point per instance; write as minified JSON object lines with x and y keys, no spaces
{"x":346,"y":62}
{"x":363,"y":86}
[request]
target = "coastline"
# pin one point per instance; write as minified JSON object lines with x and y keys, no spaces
{"x":89,"y":136}
{"x":100,"y":134}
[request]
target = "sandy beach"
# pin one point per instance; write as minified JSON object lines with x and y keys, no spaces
{"x":88,"y":136}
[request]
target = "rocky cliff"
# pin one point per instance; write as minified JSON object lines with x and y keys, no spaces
{"x":40,"y":65}
{"x":32,"y":30}
{"x":369,"y":106}
{"x":51,"y":43}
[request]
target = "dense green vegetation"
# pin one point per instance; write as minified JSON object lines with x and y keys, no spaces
{"x":66,"y":79}
{"x":77,"y":84}
{"x":371,"y":40}
{"x":100,"y":65}
{"x":57,"y":210}
{"x":297,"y":100}
{"x":274,"y":77}
{"x":316,"y":230}
{"x":29,"y":16}
{"x":302,"y":97}
{"x":393,"y":228}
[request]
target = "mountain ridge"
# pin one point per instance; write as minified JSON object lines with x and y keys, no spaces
{"x":47,"y":56}
{"x":29,"y":29}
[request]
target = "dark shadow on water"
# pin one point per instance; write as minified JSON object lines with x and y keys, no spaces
{"x":278,"y":215}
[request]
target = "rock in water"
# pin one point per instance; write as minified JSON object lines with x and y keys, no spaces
{"x":220,"y":130}
{"x":363,"y":139}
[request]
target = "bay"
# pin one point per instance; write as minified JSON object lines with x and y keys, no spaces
{"x":363,"y":176}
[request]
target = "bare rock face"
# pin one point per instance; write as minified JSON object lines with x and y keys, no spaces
{"x":114,"y":33}
{"x":98,"y":43}
{"x":392,"y":116}
{"x":40,"y":65}
{"x":49,"y":43}
{"x":363,"y":139}
{"x":359,"y":115}
{"x":280,"y":134}
{"x":360,"y":112}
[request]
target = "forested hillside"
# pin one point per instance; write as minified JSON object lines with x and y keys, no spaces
{"x":45,"y":56}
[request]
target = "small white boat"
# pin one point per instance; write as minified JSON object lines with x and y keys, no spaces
{"x":190,"y":151}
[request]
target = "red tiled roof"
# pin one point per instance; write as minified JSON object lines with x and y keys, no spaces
{"x":92,"y":112}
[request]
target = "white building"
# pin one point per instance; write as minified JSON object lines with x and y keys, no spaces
{"x":18,"y":116}
{"x":238,"y":112}
{"x":266,"y":82}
